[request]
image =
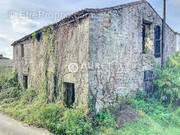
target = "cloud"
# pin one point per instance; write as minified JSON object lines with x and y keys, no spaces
{"x":5,"y":47}
{"x":3,"y":38}
{"x":7,"y":51}
{"x":23,"y":25}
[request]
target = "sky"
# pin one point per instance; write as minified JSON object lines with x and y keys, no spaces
{"x":21,"y":17}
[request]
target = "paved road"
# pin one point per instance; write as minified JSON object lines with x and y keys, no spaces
{"x":9,"y":126}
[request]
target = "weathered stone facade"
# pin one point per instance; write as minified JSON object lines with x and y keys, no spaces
{"x":105,"y":45}
{"x":177,"y":42}
{"x":116,"y":41}
{"x":43,"y":62}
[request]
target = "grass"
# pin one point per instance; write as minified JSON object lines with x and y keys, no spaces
{"x":157,"y":120}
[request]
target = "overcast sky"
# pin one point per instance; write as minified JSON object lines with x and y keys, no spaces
{"x":21,"y":17}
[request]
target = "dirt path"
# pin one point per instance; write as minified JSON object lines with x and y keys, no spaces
{"x":9,"y":126}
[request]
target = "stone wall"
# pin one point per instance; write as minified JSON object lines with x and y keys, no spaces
{"x":47,"y":63}
{"x":101,"y":55}
{"x":116,"y":52}
{"x":178,"y":42}
{"x":72,"y":50}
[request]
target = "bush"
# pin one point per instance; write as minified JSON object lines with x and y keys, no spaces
{"x":28,"y":95}
{"x":8,"y":79}
{"x":76,"y":122}
{"x":167,"y":82}
{"x":105,"y":119}
{"x":49,"y":115}
{"x":61,"y":120}
{"x":141,"y":95}
{"x":9,"y":94}
{"x":9,"y":88}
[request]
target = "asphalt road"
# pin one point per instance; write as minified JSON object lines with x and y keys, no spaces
{"x":9,"y":126}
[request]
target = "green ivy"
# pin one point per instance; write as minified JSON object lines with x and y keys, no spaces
{"x":49,"y":34}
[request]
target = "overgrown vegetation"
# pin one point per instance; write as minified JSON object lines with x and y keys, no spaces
{"x":36,"y":36}
{"x":158,"y":115}
{"x":9,"y":88}
{"x":155,"y":118}
{"x":167,"y":83}
{"x":49,"y":37}
{"x":31,"y":106}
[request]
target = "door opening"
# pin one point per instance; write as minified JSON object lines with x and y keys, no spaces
{"x":25,"y":81}
{"x":69,"y":94}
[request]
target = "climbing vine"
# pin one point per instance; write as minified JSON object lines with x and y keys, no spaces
{"x":36,"y":36}
{"x":50,"y":77}
{"x":49,"y":37}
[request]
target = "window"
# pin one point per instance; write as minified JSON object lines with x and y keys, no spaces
{"x":22,"y":50}
{"x":38,"y":36}
{"x":69,"y":94}
{"x":25,"y":81}
{"x":157,"y":44}
{"x":146,"y":28}
{"x":148,"y":75}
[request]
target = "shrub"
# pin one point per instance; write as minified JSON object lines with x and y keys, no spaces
{"x":8,"y":79}
{"x":105,"y":119}
{"x":167,"y":82}
{"x":141,"y":95}
{"x":28,"y":95}
{"x":9,"y":94}
{"x":61,"y":120}
{"x":48,"y":115}
{"x":10,"y":90}
{"x":76,"y":122}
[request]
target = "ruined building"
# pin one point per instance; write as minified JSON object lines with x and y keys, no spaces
{"x":93,"y":55}
{"x":5,"y":63}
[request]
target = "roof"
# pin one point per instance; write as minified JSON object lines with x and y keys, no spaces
{"x":177,"y":33}
{"x":2,"y":57}
{"x":80,"y":15}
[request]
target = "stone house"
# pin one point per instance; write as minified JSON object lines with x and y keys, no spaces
{"x":5,"y":63}
{"x":94,"y":55}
